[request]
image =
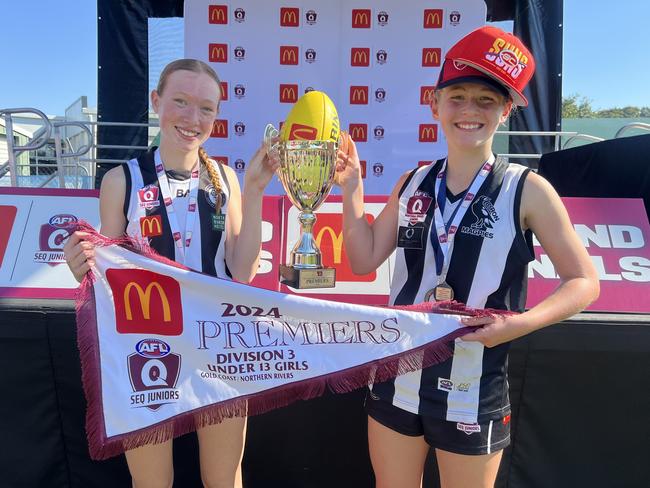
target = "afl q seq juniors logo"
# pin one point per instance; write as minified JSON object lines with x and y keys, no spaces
{"x":52,"y":237}
{"x":153,"y":373}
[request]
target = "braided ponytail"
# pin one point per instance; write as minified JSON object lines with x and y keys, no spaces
{"x":214,"y":178}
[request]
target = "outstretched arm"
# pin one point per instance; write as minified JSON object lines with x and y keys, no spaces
{"x":543,"y":212}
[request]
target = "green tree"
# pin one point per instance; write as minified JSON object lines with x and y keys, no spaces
{"x":576,"y":107}
{"x":579,"y":107}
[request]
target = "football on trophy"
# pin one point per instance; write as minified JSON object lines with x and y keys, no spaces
{"x":312,"y":118}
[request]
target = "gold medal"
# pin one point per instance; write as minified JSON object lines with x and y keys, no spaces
{"x":440,"y":293}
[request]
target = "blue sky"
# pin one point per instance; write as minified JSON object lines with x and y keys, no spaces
{"x":52,"y":57}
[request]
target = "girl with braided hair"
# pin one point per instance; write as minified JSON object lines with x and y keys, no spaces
{"x":191,"y":210}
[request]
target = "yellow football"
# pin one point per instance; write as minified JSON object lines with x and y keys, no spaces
{"x":312,"y":118}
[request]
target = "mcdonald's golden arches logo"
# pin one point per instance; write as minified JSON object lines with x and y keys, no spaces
{"x":288,"y":93}
{"x":359,"y":95}
{"x":432,"y":18}
{"x":431,"y":56}
{"x":224,"y":91}
{"x":328,"y":232}
{"x":428,"y":133}
{"x":360,"y":56}
{"x":426,"y":94}
{"x":289,"y":54}
{"x":218,"y":53}
{"x":151,"y":226}
{"x":358,"y":132}
{"x":145,"y":302}
{"x":218,"y":14}
{"x":289,"y":17}
{"x":361,"y":18}
{"x":220,"y":129}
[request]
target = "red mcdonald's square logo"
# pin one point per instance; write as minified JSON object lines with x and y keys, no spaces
{"x":218,"y":14}
{"x":428,"y":133}
{"x":359,"y":95}
{"x":360,"y":56}
{"x":146,"y":302}
{"x":358,"y":132}
{"x":426,"y":94}
{"x":363,"y":165}
{"x":432,"y":18}
{"x":7,"y":217}
{"x":218,"y":53}
{"x":431,"y":56}
{"x":424,"y":163}
{"x":224,"y":91}
{"x":220,"y":128}
{"x":289,"y":54}
{"x":288,"y":93}
{"x":221,"y":159}
{"x":289,"y":17}
{"x":361,"y":18}
{"x":328,"y":233}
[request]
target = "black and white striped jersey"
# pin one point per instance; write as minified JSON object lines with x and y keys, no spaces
{"x":145,"y":213}
{"x":488,"y":269}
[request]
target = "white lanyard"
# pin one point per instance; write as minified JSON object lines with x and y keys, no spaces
{"x":446,"y":233}
{"x":163,"y":182}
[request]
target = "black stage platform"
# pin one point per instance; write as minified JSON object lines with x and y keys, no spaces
{"x":580,"y":393}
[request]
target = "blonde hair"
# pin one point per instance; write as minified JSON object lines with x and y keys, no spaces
{"x":197,"y":66}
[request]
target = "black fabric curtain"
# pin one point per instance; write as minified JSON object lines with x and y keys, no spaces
{"x":539,"y":24}
{"x":123,"y":72}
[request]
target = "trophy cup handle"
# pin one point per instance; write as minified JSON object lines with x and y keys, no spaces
{"x":269,"y":133}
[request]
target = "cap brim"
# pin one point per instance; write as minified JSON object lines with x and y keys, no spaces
{"x":518,"y":98}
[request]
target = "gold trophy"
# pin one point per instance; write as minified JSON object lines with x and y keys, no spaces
{"x":307,"y":169}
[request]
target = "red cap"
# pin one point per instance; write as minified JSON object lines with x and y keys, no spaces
{"x":490,"y":55}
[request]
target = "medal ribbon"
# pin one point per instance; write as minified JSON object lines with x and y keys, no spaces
{"x":163,"y":182}
{"x":445,"y":232}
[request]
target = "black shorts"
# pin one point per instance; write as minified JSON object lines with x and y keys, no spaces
{"x":457,"y":437}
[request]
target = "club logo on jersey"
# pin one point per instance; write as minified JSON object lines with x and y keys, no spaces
{"x":417,"y":207}
{"x":211,"y":195}
{"x":485,"y":215}
{"x":445,"y":384}
{"x":409,"y":237}
{"x":469,"y":429}
{"x":148,"y":197}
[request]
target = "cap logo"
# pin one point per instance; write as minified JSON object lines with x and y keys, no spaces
{"x":458,"y":65}
{"x":507,"y":57}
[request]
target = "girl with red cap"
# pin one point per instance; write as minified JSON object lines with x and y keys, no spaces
{"x":461,"y":228}
{"x":189,"y":208}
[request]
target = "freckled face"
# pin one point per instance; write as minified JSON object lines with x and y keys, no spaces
{"x":187,"y":108}
{"x":470,"y":113}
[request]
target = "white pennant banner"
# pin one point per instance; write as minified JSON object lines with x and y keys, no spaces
{"x":166,"y":350}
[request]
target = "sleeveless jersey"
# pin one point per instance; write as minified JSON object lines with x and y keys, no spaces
{"x":145,"y":213}
{"x":488,"y":269}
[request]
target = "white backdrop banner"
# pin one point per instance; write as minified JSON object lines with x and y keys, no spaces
{"x":376,"y":60}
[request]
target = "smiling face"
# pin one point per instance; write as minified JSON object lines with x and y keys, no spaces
{"x":470,"y":113}
{"x":187,"y":106}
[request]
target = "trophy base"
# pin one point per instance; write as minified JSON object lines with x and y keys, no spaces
{"x":307,"y":278}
